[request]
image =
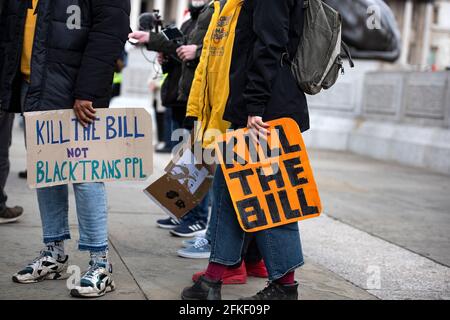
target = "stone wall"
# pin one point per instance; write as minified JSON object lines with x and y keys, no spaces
{"x":397,"y":116}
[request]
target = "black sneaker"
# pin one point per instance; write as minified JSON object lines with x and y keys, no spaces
{"x":167,"y":223}
{"x":275,"y":291}
{"x":203,"y":289}
{"x":187,"y":229}
{"x":9,"y":215}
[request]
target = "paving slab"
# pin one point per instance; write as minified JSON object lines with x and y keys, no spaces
{"x":407,"y":206}
{"x":150,"y":254}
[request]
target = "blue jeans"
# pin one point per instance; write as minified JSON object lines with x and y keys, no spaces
{"x":280,"y":247}
{"x":91,"y":211}
{"x":199,"y":213}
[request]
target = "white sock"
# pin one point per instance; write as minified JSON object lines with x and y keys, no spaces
{"x":57,"y":249}
{"x":101,"y":257}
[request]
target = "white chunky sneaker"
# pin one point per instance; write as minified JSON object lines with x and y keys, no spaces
{"x":44,"y":267}
{"x":96,"y":282}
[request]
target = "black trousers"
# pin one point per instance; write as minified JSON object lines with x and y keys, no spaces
{"x":6,"y":124}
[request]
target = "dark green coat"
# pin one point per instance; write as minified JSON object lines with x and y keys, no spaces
{"x":195,"y":36}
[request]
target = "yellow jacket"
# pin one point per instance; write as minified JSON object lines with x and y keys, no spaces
{"x":211,"y":87}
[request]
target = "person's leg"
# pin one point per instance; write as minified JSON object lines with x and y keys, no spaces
{"x":251,"y":252}
{"x":199,"y":213}
{"x":282,"y":253}
{"x":200,"y":247}
{"x":52,"y":262}
{"x":254,"y":263}
{"x":92,"y":216}
{"x":92,"y":213}
{"x":227,"y":237}
{"x":167,"y":132}
{"x":227,"y":240}
{"x":195,"y":222}
{"x":178,"y":115}
{"x":6,"y":124}
{"x":281,"y":249}
{"x":54,"y":210}
{"x":23,"y":94}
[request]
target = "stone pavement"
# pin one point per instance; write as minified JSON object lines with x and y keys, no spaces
{"x":385,"y":234}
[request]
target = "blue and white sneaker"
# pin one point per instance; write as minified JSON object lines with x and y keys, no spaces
{"x":44,"y":267}
{"x":168,"y":223}
{"x":96,"y":282}
{"x":189,"y":242}
{"x":200,"y":250}
{"x":188,"y":230}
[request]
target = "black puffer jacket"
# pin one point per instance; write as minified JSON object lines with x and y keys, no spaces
{"x":260,"y":83}
{"x":66,"y":64}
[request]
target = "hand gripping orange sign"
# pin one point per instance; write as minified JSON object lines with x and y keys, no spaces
{"x":271,"y":182}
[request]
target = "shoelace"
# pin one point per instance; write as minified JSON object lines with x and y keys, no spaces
{"x":92,"y":272}
{"x":200,"y":242}
{"x":42,"y":254}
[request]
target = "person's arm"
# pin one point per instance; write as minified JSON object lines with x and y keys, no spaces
{"x":106,"y":40}
{"x":271,"y":21}
{"x":159,"y":43}
{"x":199,"y":33}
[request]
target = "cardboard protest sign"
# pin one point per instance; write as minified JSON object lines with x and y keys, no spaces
{"x":271,"y":184}
{"x":116,"y":147}
{"x":184,"y":185}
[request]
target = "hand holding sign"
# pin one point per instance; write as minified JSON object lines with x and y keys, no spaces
{"x":257,"y":128}
{"x":271,"y":183}
{"x":84,"y":111}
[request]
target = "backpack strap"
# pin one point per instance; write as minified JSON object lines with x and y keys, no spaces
{"x":347,"y":53}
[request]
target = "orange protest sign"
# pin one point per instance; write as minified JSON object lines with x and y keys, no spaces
{"x":270,"y":183}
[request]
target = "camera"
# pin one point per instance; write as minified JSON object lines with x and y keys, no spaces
{"x":151,"y":21}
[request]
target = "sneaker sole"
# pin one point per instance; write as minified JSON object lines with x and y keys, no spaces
{"x":188,"y":235}
{"x":75,"y":293}
{"x":163,"y":226}
{"x":194,"y":256}
{"x":6,"y":221}
{"x":51,"y":276}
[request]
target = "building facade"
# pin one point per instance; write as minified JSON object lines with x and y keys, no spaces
{"x":425,"y":29}
{"x":172,"y":11}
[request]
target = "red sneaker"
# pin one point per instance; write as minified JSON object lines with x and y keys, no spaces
{"x":231,"y":276}
{"x":257,"y":270}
